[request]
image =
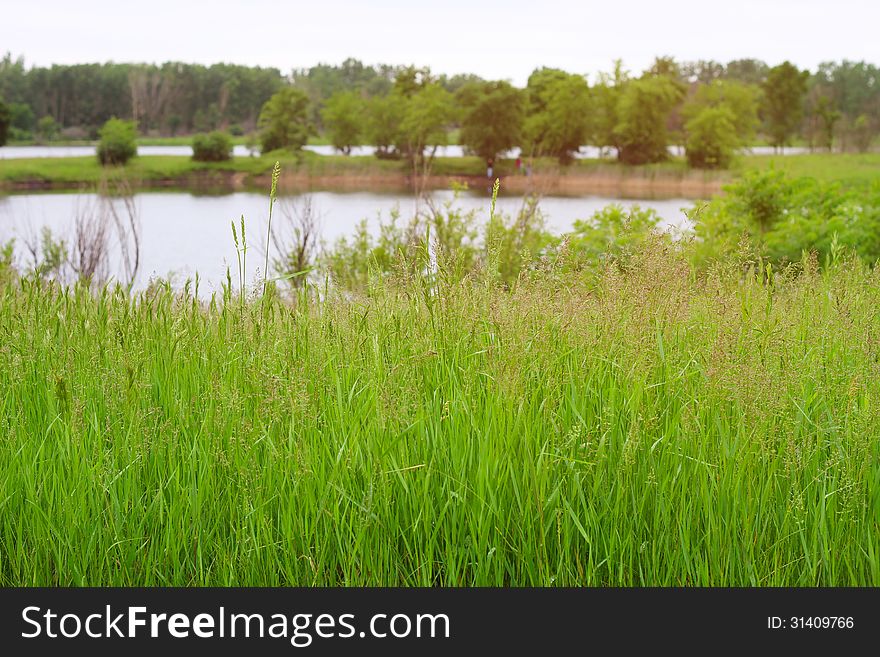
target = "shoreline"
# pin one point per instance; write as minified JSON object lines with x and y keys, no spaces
{"x":598,"y":180}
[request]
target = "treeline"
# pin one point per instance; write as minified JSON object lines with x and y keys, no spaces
{"x":710,"y":108}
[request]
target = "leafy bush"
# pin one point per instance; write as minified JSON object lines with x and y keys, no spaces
{"x":118,"y":142}
{"x":212,"y":147}
{"x":711,"y":138}
{"x":781,"y":218}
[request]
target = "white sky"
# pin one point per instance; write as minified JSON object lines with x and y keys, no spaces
{"x":490,"y":38}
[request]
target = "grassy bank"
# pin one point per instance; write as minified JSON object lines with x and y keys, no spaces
{"x":852,"y":168}
{"x":583,"y":176}
{"x":653,"y":426}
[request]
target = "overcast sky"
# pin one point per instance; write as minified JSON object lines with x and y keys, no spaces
{"x":493,"y":39}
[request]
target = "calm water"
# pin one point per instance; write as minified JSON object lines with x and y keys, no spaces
{"x":586,"y":152}
{"x":184,"y":233}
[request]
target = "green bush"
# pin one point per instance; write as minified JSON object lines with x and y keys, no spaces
{"x":780,"y":219}
{"x":118,"y":142}
{"x":212,"y":147}
{"x":711,"y":138}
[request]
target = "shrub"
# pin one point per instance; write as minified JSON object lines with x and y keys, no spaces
{"x":212,"y":147}
{"x":118,"y":142}
{"x":284,"y":121}
{"x":711,"y":138}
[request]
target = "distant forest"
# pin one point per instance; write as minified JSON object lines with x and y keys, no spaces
{"x":841,"y":100}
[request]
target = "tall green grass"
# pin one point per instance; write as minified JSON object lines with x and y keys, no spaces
{"x":649,"y":426}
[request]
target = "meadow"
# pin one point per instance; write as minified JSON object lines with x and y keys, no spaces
{"x":643,"y":423}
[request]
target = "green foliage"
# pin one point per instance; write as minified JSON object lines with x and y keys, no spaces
{"x":384,"y":114}
{"x":284,"y":121}
{"x":784,"y":91}
{"x":118,"y":142}
{"x":606,"y":100}
{"x":5,"y":122}
{"x":711,"y":138}
{"x":741,"y":99}
{"x":559,"y":121}
{"x":427,"y":116}
{"x":343,"y":120}
{"x":491,"y":117}
{"x":864,"y":133}
{"x":519,"y":241}
{"x":213,"y":147}
{"x":612,"y":233}
{"x":48,"y":128}
{"x":643,"y":111}
{"x":21,"y":118}
{"x":782,"y":218}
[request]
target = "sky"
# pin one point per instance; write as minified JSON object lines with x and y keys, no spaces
{"x":496,"y":40}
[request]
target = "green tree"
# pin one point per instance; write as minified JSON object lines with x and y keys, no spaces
{"x":863,"y":132}
{"x":22,"y":118}
{"x":828,"y":117}
{"x":642,"y":115}
{"x":606,"y":101}
{"x":711,"y":138}
{"x":118,"y":142}
{"x":560,"y":122}
{"x":284,"y":121}
{"x":48,"y":128}
{"x":742,"y":99}
{"x":492,"y":116}
{"x":784,"y":91}
{"x":426,"y":120}
{"x":384,"y":115}
{"x":720,"y":117}
{"x":5,"y":122}
{"x":343,"y":119}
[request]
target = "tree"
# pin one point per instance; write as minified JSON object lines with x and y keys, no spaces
{"x":343,"y":120}
{"x":828,"y":118}
{"x":642,"y":115}
{"x":118,"y":142}
{"x":492,"y":116}
{"x":711,"y":138}
{"x":22,"y":120}
{"x":720,"y":117}
{"x":5,"y":121}
{"x":606,"y":101}
{"x":863,"y":132}
{"x":559,"y":115}
{"x":742,"y":99}
{"x":425,"y":123}
{"x":384,"y":115}
{"x":784,"y":90}
{"x":47,"y":128}
{"x":284,"y":121}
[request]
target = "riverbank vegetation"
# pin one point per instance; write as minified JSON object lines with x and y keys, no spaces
{"x":461,"y":403}
{"x":306,"y":168}
{"x":708,"y":108}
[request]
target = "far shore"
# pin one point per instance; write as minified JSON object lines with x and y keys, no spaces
{"x":305,"y":171}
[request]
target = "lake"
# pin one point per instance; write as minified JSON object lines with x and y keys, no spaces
{"x":586,"y":152}
{"x":184,"y":233}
